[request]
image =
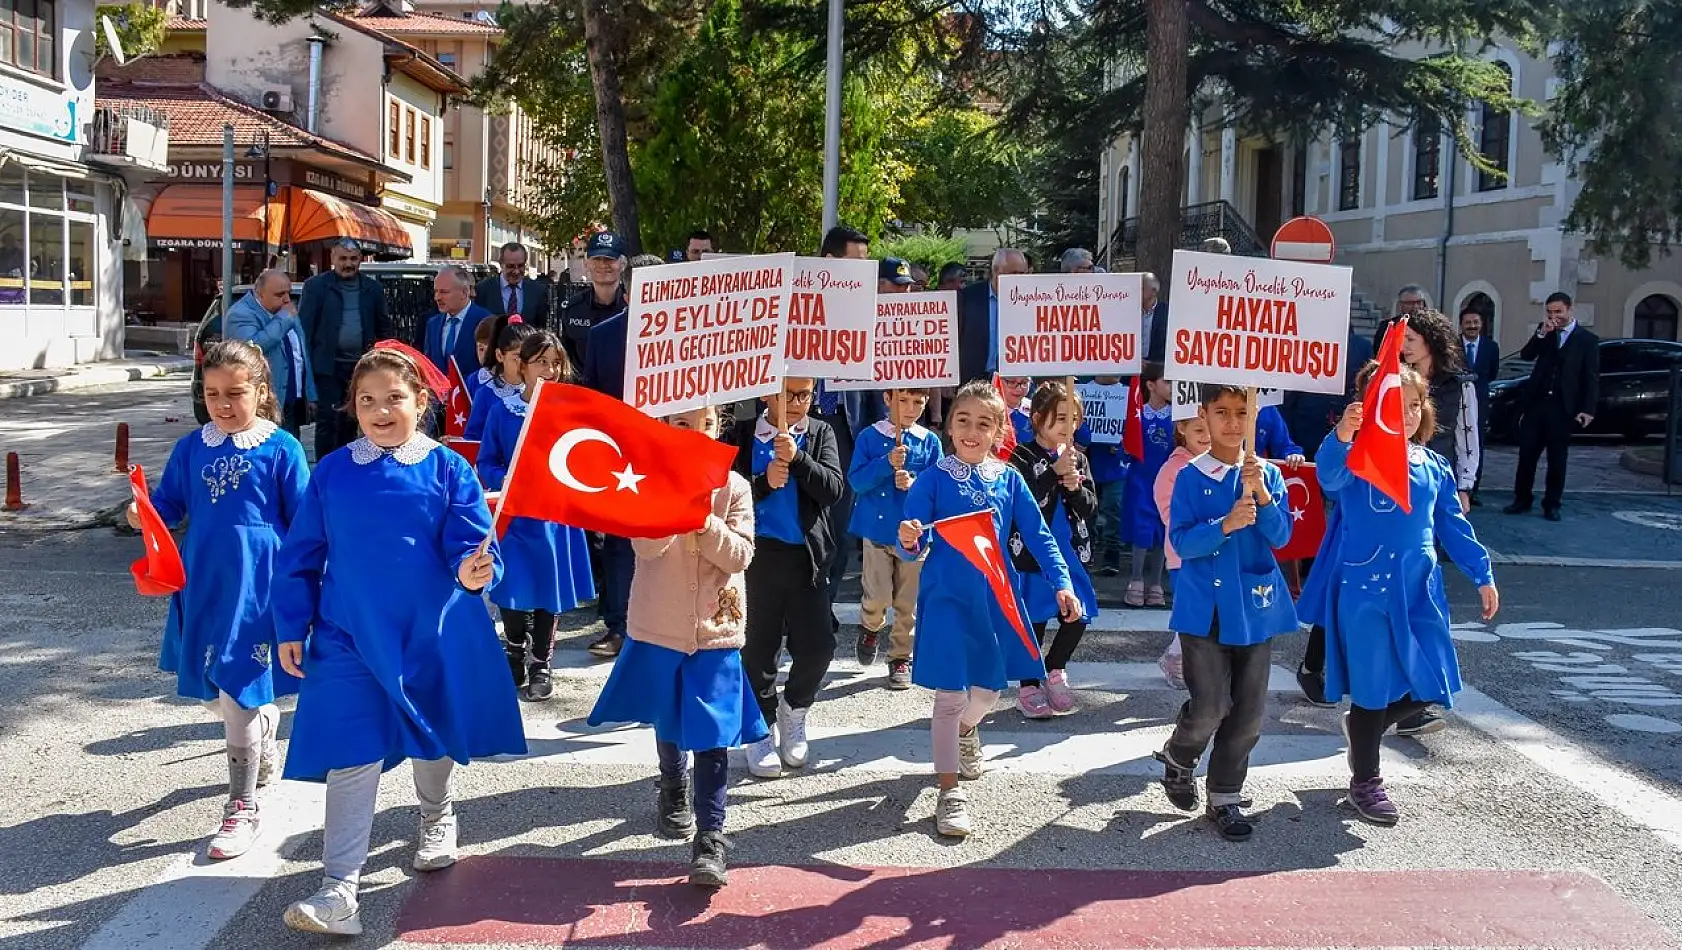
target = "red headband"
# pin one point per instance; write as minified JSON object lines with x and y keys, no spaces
{"x":514,"y":318}
{"x":429,"y":374}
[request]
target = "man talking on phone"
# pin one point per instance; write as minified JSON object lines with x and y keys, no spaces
{"x":1559,"y":401}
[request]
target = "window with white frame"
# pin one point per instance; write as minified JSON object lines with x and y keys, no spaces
{"x":48,"y":252}
{"x":1427,"y":157}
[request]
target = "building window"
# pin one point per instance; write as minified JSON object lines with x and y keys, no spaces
{"x":409,"y":136}
{"x":1495,"y":134}
{"x":426,"y":141}
{"x":449,"y":152}
{"x":28,"y":34}
{"x":47,"y":254}
{"x":1299,"y":181}
{"x":1349,"y":174}
{"x":1427,"y":156}
{"x":396,"y":135}
{"x":1655,"y":318}
{"x":447,"y":60}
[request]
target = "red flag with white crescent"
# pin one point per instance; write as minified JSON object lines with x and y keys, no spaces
{"x":160,"y":572}
{"x":976,"y":537}
{"x":1379,"y":454}
{"x":458,"y":406}
{"x":1305,"y":504}
{"x":1133,"y":430}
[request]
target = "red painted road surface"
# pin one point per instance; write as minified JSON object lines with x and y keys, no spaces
{"x":582,"y":903}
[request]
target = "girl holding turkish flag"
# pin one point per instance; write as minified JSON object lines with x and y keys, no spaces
{"x":967,"y":648}
{"x":238,"y":483}
{"x":1377,"y":587}
{"x":377,"y":607}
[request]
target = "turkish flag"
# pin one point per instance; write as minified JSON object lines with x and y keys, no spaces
{"x":593,"y":462}
{"x":1380,"y":452}
{"x":160,"y":573}
{"x":457,"y":407}
{"x":1133,"y":430}
{"x":1308,"y":512}
{"x":466,"y":448}
{"x":977,"y":539}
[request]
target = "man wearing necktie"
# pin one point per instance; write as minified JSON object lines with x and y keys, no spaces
{"x":449,"y":332}
{"x":1560,"y":399}
{"x":512,"y":291}
{"x":1483,"y":360}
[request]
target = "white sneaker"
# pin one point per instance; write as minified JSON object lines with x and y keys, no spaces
{"x":763,"y":761}
{"x":791,"y":736}
{"x":437,"y":848}
{"x":238,"y":831}
{"x":268,"y":760}
{"x":333,"y":910}
{"x":969,"y":754}
{"x":951,"y":813}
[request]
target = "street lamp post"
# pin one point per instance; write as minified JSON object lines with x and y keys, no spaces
{"x":260,"y":149}
{"x":227,"y":218}
{"x":832,"y":118}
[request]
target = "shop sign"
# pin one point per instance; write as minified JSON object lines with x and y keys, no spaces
{"x":52,"y":113}
{"x":335,"y":184}
{"x":212,"y":171}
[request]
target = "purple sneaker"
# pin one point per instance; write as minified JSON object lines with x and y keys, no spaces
{"x":1373,"y":803}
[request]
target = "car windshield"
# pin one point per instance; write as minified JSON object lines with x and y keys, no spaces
{"x":1514,"y":368}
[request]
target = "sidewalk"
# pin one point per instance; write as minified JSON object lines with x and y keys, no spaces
{"x":66,"y":445}
{"x":16,"y":384}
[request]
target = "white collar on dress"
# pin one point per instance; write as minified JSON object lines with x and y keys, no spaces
{"x":765,"y":431}
{"x":364,"y":452}
{"x":515,"y":400}
{"x":892,"y":431}
{"x":989,"y":469}
{"x":1211,"y":466}
{"x":256,"y":435}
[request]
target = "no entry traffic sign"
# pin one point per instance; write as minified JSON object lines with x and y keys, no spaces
{"x":1306,"y":239}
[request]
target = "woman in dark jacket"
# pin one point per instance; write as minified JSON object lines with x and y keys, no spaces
{"x":1432,"y":348}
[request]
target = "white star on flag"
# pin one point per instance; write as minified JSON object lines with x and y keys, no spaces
{"x":628,"y":479}
{"x":1297,"y":514}
{"x":461,"y":419}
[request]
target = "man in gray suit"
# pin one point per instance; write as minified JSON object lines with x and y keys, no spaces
{"x":513,"y":291}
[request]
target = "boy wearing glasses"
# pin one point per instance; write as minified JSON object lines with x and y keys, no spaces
{"x":795,"y":469}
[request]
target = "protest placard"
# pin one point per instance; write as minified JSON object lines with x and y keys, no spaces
{"x":1069,"y":324}
{"x":916,"y":342}
{"x":706,"y":332}
{"x":1249,"y":321}
{"x":1186,"y":399}
{"x":831,"y":318}
{"x":1104,"y":409}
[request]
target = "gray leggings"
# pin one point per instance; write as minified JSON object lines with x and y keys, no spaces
{"x":351,"y":795}
{"x":245,"y":743}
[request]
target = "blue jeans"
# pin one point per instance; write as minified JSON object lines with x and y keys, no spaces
{"x":712,"y":773}
{"x":1109,"y":523}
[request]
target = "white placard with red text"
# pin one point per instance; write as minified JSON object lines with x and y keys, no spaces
{"x":831,"y":318}
{"x":1186,"y":399}
{"x":706,"y":332}
{"x":916,"y":343}
{"x":1069,"y":324}
{"x":1105,"y":410}
{"x":1250,"y":321}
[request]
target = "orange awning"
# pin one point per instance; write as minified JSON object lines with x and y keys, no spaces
{"x":191,"y":216}
{"x":318,"y":216}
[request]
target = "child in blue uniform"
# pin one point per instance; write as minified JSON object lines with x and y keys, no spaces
{"x":501,"y":376}
{"x":1061,"y":483}
{"x":237,"y":482}
{"x":1273,"y":438}
{"x":1229,"y":602}
{"x":545,"y":566}
{"x":681,"y":668}
{"x":888,"y":457}
{"x":1109,"y":471}
{"x":376,"y":603}
{"x":967,"y":649}
{"x":1378,"y":590}
{"x":1141,"y":527}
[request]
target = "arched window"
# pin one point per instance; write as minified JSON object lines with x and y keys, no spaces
{"x":1482,"y":304}
{"x":1495,"y":135}
{"x":1655,"y":318}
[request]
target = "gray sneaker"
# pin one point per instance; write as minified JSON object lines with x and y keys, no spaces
{"x":332,"y":910}
{"x":899,"y":674}
{"x":969,"y":755}
{"x":437,"y":848}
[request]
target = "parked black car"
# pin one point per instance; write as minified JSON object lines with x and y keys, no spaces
{"x":1634,"y":390}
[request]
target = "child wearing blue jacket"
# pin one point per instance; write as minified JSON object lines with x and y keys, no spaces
{"x":888,"y":456}
{"x":1273,"y":437}
{"x":1230,"y":601}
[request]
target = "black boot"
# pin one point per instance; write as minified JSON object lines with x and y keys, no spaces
{"x":539,"y":683}
{"x":674,"y":815}
{"x":706,"y":865}
{"x":516,"y":664}
{"x":1180,"y":783}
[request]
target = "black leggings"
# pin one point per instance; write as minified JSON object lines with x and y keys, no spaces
{"x":1366,"y":729}
{"x":528,"y":630}
{"x":1062,"y":646}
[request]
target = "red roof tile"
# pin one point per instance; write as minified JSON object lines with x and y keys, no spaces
{"x":180,"y":69}
{"x":428,"y":23}
{"x":181,"y":24}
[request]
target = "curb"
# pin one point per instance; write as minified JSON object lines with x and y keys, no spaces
{"x":93,"y":377}
{"x":1642,"y":462}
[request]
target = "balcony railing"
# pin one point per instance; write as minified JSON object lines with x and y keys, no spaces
{"x":1198,"y":223}
{"x":130,"y":135}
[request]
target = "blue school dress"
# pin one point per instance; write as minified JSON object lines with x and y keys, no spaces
{"x":1273,"y":437}
{"x":1023,"y":423}
{"x":963,"y":637}
{"x":1376,"y":585}
{"x":1230,"y":578}
{"x":1141,"y":525}
{"x":1069,"y":515}
{"x":546,"y":566}
{"x":238,"y":493}
{"x":485,"y":396}
{"x":400,"y":661}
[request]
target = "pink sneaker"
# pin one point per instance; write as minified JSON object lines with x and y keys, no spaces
{"x":1058,"y":695}
{"x":1032,"y":702}
{"x":1173,"y":669}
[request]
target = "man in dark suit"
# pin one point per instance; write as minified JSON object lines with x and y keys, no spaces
{"x":449,"y":332}
{"x":513,"y":291}
{"x":1559,"y":399}
{"x":1409,"y":301}
{"x":343,"y":314}
{"x":1154,"y":328}
{"x":1483,"y":360}
{"x":978,"y":317}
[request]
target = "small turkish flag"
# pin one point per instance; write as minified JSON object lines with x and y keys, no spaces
{"x":1308,"y":512}
{"x":1133,"y":430}
{"x":458,"y":406}
{"x":466,"y":448}
{"x":160,"y":573}
{"x":1380,"y":452}
{"x":593,"y":462}
{"x":977,"y":539}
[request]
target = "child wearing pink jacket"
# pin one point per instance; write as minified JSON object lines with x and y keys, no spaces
{"x":1191,"y":439}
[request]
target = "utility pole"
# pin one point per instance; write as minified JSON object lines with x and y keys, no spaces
{"x":832,"y":118}
{"x":227,"y":220}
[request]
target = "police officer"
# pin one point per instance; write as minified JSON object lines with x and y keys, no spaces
{"x":605,"y":264}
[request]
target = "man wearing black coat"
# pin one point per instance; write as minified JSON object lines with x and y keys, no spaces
{"x":514,"y":292}
{"x":978,"y":317}
{"x":1559,"y":400}
{"x":343,"y":314}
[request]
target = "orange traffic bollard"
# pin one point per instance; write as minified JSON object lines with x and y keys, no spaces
{"x":14,"y":483}
{"x":122,"y":449}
